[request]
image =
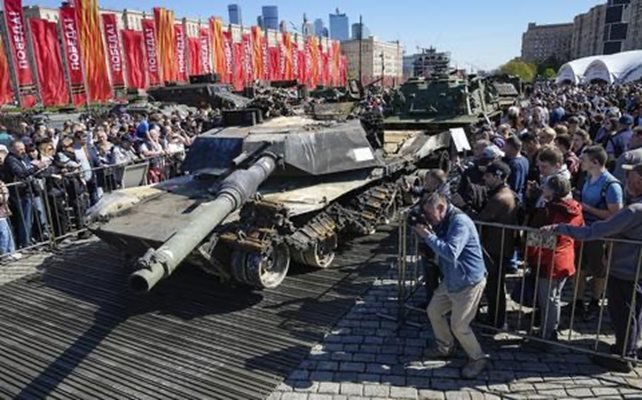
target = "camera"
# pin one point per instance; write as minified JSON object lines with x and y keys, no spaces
{"x":416,"y":216}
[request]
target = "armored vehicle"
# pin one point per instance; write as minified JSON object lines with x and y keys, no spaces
{"x":215,"y":95}
{"x":257,"y":197}
{"x":443,"y":102}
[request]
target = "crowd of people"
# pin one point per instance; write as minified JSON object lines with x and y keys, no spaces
{"x":570,"y":162}
{"x":50,"y":176}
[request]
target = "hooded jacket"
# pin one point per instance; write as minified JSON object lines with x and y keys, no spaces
{"x":562,"y":263}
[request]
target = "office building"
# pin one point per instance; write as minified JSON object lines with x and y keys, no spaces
{"x":378,"y":59}
{"x":270,"y":17}
{"x":339,"y":26}
{"x":541,"y":42}
{"x":234,"y":11}
{"x":360,"y":31}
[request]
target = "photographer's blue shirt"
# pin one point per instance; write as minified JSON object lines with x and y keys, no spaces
{"x":457,"y":245}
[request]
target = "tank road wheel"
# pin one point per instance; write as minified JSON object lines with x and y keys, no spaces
{"x":320,"y":254}
{"x":263,"y":271}
{"x":390,"y":213}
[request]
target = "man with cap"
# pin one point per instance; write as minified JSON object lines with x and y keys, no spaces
{"x":498,"y":244}
{"x":618,"y":143}
{"x":471,"y":195}
{"x":624,"y":290}
{"x":632,"y":156}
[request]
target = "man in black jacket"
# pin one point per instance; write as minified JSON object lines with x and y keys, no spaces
{"x":20,"y":170}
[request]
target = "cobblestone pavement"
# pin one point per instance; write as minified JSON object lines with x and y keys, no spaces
{"x":367,"y":356}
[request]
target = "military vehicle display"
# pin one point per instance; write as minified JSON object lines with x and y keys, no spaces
{"x":257,"y":197}
{"x":202,"y":94}
{"x":442,"y":103}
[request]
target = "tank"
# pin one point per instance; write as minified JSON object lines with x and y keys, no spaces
{"x":442,"y":102}
{"x":257,"y":198}
{"x":201,"y":94}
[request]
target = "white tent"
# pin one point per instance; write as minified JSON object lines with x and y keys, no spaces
{"x":614,"y":67}
{"x":573,"y":71}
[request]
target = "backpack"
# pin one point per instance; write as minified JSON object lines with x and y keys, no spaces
{"x":604,"y":189}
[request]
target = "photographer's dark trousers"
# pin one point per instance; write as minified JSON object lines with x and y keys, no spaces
{"x":432,"y":276}
{"x":495,"y":292}
{"x":620,"y":293}
{"x":24,"y":218}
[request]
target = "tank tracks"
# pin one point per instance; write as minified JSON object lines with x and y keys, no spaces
{"x":265,"y":239}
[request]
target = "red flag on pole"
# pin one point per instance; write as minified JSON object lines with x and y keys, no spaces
{"x":195,"y":65}
{"x":275,"y":68}
{"x":134,"y":58}
{"x":51,"y":75}
{"x":114,"y":52}
{"x":73,"y":59}
{"x":248,"y":66}
{"x":149,"y":36}
{"x":6,"y":92}
{"x":181,"y":53}
{"x":206,"y":51}
{"x":19,"y":54}
{"x":228,"y":51}
{"x":239,"y":66}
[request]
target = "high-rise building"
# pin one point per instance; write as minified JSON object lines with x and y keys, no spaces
{"x":325,"y":33}
{"x":339,"y":26}
{"x":360,"y":31}
{"x":378,"y":58}
{"x":259,"y":22}
{"x":588,"y":33}
{"x":318,"y":27}
{"x":540,"y":42}
{"x":307,"y":29}
{"x":616,"y":25}
{"x":283,"y":27}
{"x":270,"y":17}
{"x":234,"y":11}
{"x":429,"y":62}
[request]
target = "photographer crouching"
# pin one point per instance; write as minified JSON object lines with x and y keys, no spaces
{"x":452,"y":235}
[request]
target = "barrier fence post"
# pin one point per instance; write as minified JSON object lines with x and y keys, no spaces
{"x":606,"y":283}
{"x":636,"y":283}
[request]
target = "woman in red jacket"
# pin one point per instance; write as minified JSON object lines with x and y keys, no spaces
{"x":556,"y":260}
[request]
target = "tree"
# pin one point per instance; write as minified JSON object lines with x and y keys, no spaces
{"x":549,"y":73}
{"x":517,"y":67}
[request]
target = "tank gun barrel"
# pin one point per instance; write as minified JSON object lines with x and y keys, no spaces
{"x":234,"y":190}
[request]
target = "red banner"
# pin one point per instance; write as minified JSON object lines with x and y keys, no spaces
{"x":275,"y":65}
{"x":51,"y":75}
{"x":151,"y":53}
{"x":195,"y":65}
{"x":181,"y":53}
{"x":296,"y":67}
{"x":257,"y":52}
{"x":73,"y":59}
{"x":16,"y":31}
{"x":92,"y":50}
{"x":304,"y":66}
{"x":206,"y":51}
{"x":343,"y":73}
{"x":228,"y":51}
{"x":239,"y":62}
{"x":114,"y":52}
{"x":266,"y":58}
{"x":134,"y":58}
{"x":6,"y":92}
{"x":248,"y":76}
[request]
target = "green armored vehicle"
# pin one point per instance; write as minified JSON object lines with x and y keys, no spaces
{"x":442,"y":103}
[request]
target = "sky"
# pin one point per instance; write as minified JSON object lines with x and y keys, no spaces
{"x":481,"y":35}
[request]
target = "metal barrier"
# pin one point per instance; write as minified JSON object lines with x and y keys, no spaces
{"x":48,"y":209}
{"x":521,"y":314}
